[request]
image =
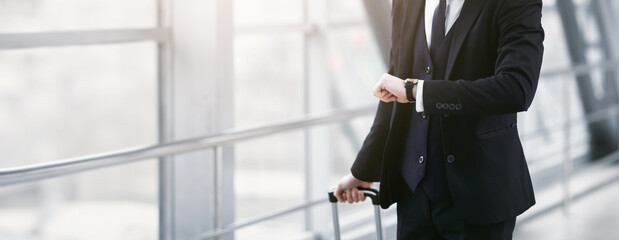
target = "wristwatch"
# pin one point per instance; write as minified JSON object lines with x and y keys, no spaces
{"x":409,"y":84}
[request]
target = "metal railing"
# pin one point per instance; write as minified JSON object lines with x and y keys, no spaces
{"x":10,"y":176}
{"x":611,"y":111}
{"x":42,"y":171}
{"x":75,"y":38}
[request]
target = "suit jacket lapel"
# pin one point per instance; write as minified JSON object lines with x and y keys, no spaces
{"x":416,"y":9}
{"x":468,"y":16}
{"x":411,"y":14}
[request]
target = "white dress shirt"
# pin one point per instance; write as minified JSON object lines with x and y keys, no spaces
{"x":452,"y":12}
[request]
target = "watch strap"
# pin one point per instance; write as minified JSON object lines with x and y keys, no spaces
{"x":409,"y":85}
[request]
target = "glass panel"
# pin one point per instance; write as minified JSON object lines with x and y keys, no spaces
{"x":269,"y":177}
{"x":114,"y":203}
{"x":556,"y":54}
{"x":542,"y":128}
{"x":346,"y":10}
{"x":66,"y":102}
{"x":286,"y":227}
{"x":355,"y":64}
{"x":268,"y":78}
{"x":59,"y":15}
{"x":268,"y":174}
{"x":267,"y":12}
{"x":346,"y":140}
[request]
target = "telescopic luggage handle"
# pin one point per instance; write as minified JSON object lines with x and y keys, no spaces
{"x":368,"y":192}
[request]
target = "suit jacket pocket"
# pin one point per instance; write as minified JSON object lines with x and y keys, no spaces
{"x":498,"y":130}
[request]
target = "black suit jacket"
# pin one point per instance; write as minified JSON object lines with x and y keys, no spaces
{"x":492,"y":73}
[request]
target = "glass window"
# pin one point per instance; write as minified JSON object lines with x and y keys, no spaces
{"x":268,"y":177}
{"x":267,"y":12}
{"x":556,"y":54}
{"x":94,"y":205}
{"x":286,"y":227}
{"x":355,"y":65}
{"x":346,"y":10}
{"x":63,"y":15}
{"x":268,"y":72}
{"x":58,"y":103}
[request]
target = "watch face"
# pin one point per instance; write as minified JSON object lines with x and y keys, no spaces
{"x":410,"y":82}
{"x":413,"y":81}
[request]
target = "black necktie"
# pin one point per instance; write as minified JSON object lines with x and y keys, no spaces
{"x":438,"y":26}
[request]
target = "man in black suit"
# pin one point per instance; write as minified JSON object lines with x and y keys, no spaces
{"x":444,"y":143}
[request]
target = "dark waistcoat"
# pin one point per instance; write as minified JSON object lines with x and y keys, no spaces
{"x":425,"y":164}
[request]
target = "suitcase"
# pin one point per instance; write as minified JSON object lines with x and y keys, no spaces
{"x":368,"y":192}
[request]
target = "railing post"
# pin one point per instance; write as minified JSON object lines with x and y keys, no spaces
{"x":567,"y":161}
{"x":219,"y":185}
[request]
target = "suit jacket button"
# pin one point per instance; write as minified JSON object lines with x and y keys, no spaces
{"x":452,"y":107}
{"x":445,"y":106}
{"x":428,"y":70}
{"x":421,"y":159}
{"x":451,"y":159}
{"x":439,"y":105}
{"x":458,"y":106}
{"x":424,"y":116}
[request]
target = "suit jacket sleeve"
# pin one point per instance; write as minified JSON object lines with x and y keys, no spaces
{"x":368,"y":163}
{"x":517,"y":68}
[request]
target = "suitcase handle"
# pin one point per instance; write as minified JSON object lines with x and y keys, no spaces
{"x":368,"y":192}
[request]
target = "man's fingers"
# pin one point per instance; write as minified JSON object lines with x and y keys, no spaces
{"x":377,"y":89}
{"x":380,"y":92}
{"x":349,"y":196}
{"x":361,"y":196}
{"x":352,"y":195}
{"x":377,"y":93}
{"x":385,"y":96}
{"x":355,"y":194}
{"x":338,"y":193}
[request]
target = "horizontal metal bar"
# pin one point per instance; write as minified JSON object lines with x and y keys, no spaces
{"x":599,"y":115}
{"x":72,"y":38}
{"x":580,"y":69}
{"x":35,"y":172}
{"x":296,"y":28}
{"x":258,"y":219}
{"x":232,"y":227}
{"x":533,"y":162}
{"x":48,"y":170}
{"x":607,"y":160}
{"x":575,"y":197}
{"x":276,"y":29}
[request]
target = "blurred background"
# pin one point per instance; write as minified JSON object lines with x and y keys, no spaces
{"x":229,"y":119}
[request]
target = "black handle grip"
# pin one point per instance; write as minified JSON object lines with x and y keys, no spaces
{"x":368,"y":192}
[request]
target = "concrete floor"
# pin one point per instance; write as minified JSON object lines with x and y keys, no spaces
{"x":593,"y":217}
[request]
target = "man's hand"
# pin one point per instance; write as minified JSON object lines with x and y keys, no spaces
{"x":391,"y":88}
{"x":347,"y":189}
